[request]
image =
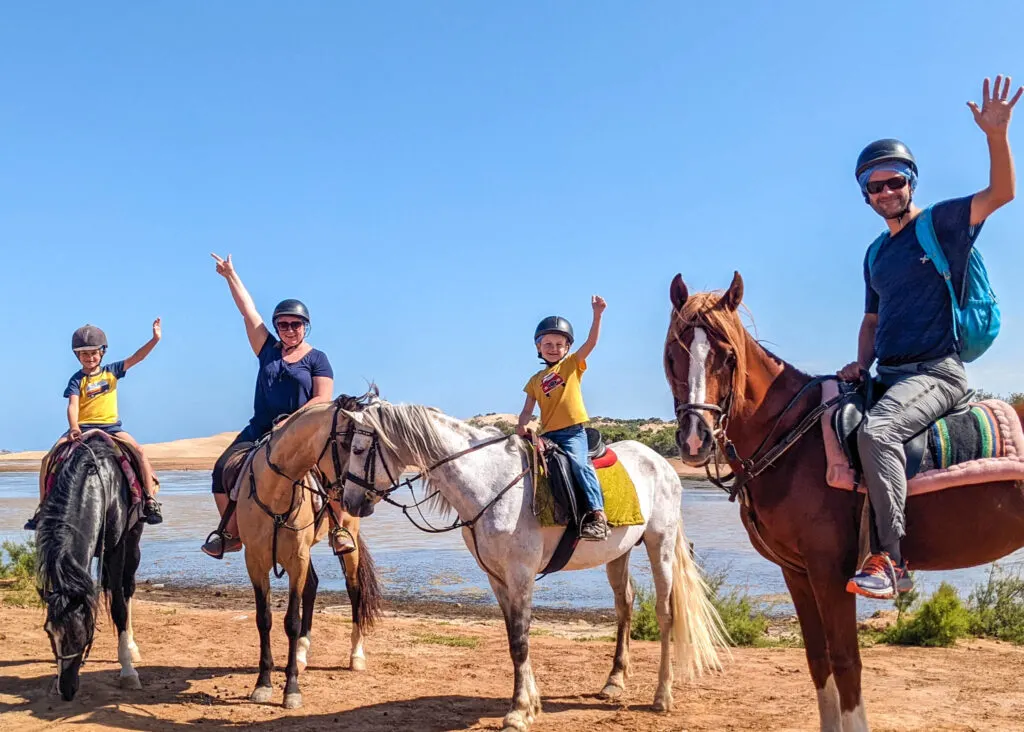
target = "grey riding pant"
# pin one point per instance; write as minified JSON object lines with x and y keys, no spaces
{"x":919,"y":395}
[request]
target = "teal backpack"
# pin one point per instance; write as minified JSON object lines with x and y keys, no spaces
{"x":976,"y":317}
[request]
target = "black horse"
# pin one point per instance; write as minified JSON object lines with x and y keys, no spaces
{"x":88,"y":514}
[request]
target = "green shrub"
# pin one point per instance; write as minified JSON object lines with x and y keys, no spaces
{"x":997,"y":607}
{"x":941,"y":620}
{"x":645,"y":619}
{"x":19,"y":573}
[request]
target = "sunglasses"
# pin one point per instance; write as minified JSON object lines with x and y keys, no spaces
{"x":286,"y":325}
{"x":895,"y":183}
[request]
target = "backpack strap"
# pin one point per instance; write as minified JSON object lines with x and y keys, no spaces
{"x":876,"y":246}
{"x":925,"y":230}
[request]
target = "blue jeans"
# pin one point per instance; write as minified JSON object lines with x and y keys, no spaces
{"x":574,"y":441}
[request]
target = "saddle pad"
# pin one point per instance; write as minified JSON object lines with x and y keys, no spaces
{"x":621,"y":503}
{"x":990,"y":429}
{"x":236,"y":474}
{"x":59,"y":454}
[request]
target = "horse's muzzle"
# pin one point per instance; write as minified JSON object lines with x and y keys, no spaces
{"x":693,"y":438}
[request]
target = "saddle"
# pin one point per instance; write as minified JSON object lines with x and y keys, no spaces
{"x":564,"y":488}
{"x":128,"y":458}
{"x":974,"y":442}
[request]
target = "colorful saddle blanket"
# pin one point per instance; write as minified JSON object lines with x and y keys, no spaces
{"x":982,"y":443}
{"x":127,"y":457}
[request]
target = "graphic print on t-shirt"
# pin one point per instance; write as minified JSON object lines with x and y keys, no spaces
{"x":551,"y":382}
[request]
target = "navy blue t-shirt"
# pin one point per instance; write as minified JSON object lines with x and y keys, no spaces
{"x":281,"y":387}
{"x":915,"y":320}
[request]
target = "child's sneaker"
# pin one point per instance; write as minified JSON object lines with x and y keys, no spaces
{"x":595,"y":527}
{"x":151,"y":512}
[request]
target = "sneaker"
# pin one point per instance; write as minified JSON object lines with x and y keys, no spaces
{"x":595,"y":527}
{"x":151,"y":512}
{"x":33,"y":523}
{"x":880,"y":579}
{"x":341,"y":541}
{"x":217,"y":546}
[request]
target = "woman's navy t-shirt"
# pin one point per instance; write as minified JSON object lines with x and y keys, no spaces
{"x":281,"y":387}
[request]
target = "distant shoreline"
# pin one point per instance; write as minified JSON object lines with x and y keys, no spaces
{"x":200,"y":453}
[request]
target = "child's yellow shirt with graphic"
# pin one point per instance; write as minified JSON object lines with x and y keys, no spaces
{"x":97,"y":394}
{"x":558,"y":393}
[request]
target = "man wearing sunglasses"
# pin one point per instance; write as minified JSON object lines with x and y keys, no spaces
{"x":908,"y":322}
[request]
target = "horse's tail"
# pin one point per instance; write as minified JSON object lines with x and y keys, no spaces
{"x":697,"y":628}
{"x":370,"y":594}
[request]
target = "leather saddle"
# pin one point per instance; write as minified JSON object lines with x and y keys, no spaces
{"x":849,"y":415}
{"x":564,"y":489}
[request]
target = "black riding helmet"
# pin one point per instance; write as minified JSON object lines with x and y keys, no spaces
{"x":881,"y":151}
{"x":552,"y":324}
{"x":88,"y":338}
{"x":294,"y":307}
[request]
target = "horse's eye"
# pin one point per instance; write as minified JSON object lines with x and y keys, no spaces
{"x":358,"y":450}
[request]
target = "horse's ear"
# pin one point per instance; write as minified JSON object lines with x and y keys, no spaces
{"x":678,"y":292}
{"x":734,"y":295}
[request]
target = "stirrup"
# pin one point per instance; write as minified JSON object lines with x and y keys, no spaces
{"x":331,"y":540}
{"x":223,"y":536}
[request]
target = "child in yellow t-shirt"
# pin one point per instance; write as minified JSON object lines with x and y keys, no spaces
{"x":556,"y":388}
{"x":92,"y":403}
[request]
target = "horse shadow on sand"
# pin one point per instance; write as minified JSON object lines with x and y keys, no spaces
{"x":100,"y":701}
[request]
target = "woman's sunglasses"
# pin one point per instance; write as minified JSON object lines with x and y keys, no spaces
{"x":895,"y":183}
{"x":287,"y":325}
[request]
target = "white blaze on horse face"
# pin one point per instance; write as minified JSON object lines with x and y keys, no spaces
{"x":698,"y":383}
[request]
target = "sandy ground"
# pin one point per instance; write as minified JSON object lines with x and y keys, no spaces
{"x":200,"y":453}
{"x":199,"y":664}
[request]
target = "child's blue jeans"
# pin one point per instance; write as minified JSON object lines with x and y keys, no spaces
{"x":574,"y":441}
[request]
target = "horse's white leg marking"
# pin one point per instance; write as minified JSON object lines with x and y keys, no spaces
{"x":302,"y":648}
{"x":357,"y":659}
{"x":856,"y":720}
{"x":699,"y":350}
{"x":136,"y":656}
{"x":828,"y":706}
{"x":129,"y":676}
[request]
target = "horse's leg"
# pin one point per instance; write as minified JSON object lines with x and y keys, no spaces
{"x":660,"y":551}
{"x":260,"y":577}
{"x":618,"y":577}
{"x":308,"y":603}
{"x":837,"y":609}
{"x":132,"y":561}
{"x":516,"y":600}
{"x":298,"y":568}
{"x":816,"y":650}
{"x":115,"y":581}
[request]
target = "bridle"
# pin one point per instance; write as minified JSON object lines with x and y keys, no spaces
{"x":745,"y":470}
{"x":86,"y":648}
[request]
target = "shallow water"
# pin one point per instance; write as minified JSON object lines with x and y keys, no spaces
{"x":439,"y":566}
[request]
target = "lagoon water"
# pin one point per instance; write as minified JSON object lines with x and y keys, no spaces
{"x":422,"y":566}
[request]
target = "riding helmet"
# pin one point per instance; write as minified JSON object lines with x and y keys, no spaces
{"x":553,"y":324}
{"x":88,"y":338}
{"x":291,"y":307}
{"x":881,"y":151}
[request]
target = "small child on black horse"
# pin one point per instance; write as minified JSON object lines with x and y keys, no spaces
{"x":556,"y":388}
{"x":92,"y":405}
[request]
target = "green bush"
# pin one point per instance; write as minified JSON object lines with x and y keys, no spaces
{"x":940,"y":621}
{"x":997,"y":607}
{"x":745,"y":625}
{"x":19,"y":571}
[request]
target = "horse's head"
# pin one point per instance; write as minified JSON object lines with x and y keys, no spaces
{"x":372,"y":467}
{"x":705,"y":364}
{"x":70,"y":624}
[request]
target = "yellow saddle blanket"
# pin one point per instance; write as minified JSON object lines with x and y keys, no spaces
{"x":621,"y":503}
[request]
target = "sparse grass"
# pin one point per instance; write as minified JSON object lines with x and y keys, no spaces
{"x":997,"y":607}
{"x":594,"y":638}
{"x":457,"y":641}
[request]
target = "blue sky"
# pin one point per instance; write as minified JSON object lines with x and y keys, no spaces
{"x":434,"y":178}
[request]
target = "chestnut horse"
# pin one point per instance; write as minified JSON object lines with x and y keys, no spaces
{"x":734,"y":402}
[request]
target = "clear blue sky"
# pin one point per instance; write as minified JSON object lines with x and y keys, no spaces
{"x":433,"y":178}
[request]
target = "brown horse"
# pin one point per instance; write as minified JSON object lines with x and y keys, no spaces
{"x":278,"y":524}
{"x":733,"y":399}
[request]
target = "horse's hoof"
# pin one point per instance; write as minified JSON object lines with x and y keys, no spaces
{"x":515,"y":722}
{"x":358,"y":663}
{"x":611,"y":691}
{"x":261,"y":694}
{"x":131,"y":681}
{"x":293,"y":701}
{"x":663,"y":705}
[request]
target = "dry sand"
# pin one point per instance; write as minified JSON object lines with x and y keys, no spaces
{"x":200,"y":656}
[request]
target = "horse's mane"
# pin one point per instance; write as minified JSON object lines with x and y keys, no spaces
{"x":64,"y":581}
{"x":414,"y":427}
{"x":705,"y":309}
